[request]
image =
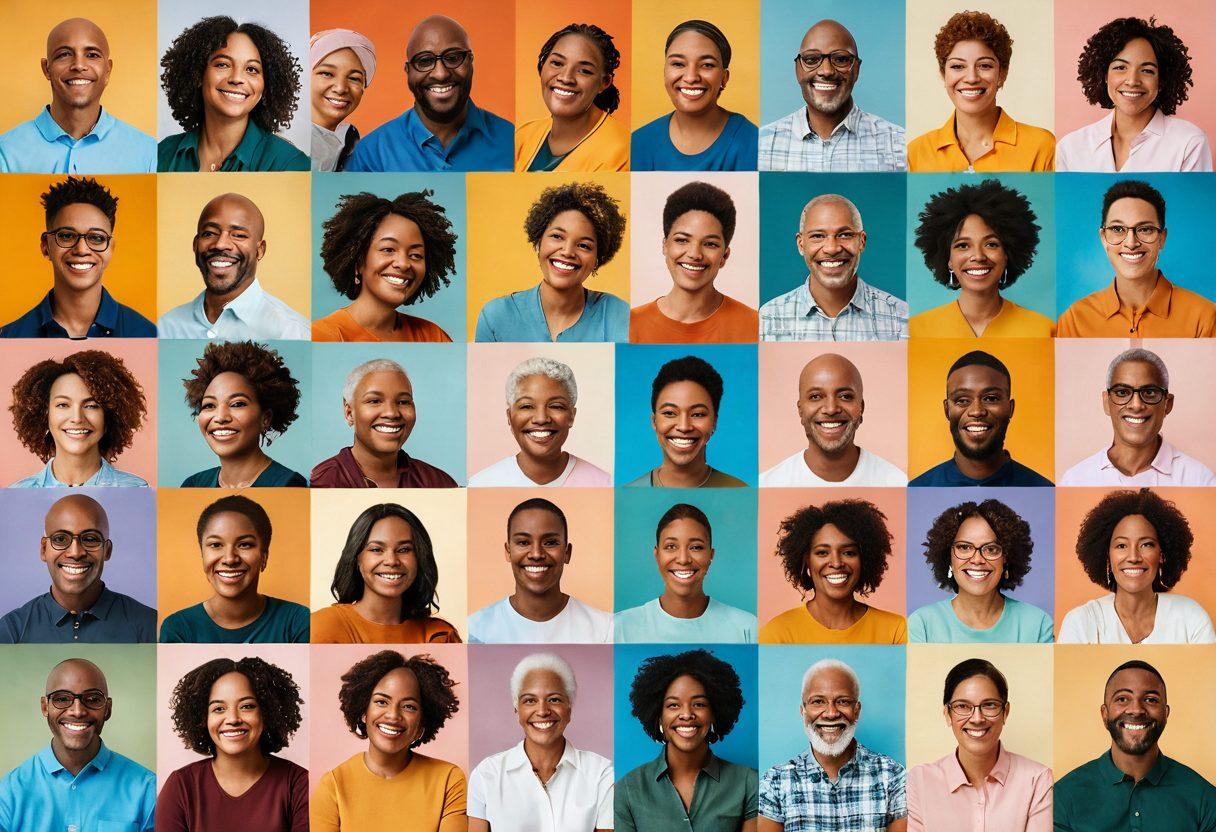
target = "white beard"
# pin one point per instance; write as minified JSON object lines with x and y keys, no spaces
{"x":831,"y":749}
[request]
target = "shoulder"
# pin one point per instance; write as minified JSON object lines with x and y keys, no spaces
{"x":285,"y":608}
{"x":609,"y":302}
{"x":887,"y":767}
{"x":1035,"y":136}
{"x":169,"y":144}
{"x":892,"y":305}
{"x":1181,"y":605}
{"x":1181,"y":293}
{"x":732,"y":615}
{"x":496,"y":124}
{"x":869,"y":122}
{"x":280,"y":154}
{"x":934,"y":475}
{"x":774,"y":305}
{"x":612,"y":128}
{"x":386,"y":133}
{"x":203,"y":479}
{"x":782,"y":125}
{"x":885,"y":618}
{"x":533,"y":131}
{"x":1183,"y":130}
{"x":1024,"y":610}
{"x":1078,"y":780}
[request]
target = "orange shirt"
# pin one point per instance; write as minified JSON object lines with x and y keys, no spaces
{"x":342,"y":624}
{"x":429,"y":794}
{"x":1172,"y":312}
{"x":340,"y":326}
{"x":733,"y":322}
{"x":1015,"y":147}
{"x":798,"y":626}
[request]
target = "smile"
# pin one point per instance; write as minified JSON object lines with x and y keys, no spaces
{"x":230,"y":576}
{"x":976,"y":733}
{"x":1132,"y":256}
{"x":681,"y":442}
{"x":77,"y":432}
{"x":693,"y":267}
{"x":78,"y":82}
{"x":972,"y":92}
{"x":563,"y":266}
{"x":683,"y":574}
{"x":390,"y":577}
{"x":234,"y":95}
{"x":394,"y":280}
{"x":540,"y":435}
{"x":1131,"y":93}
{"x":221,"y":263}
{"x":978,"y":272}
{"x":441,"y":89}
{"x":830,"y":427}
{"x":830,"y":727}
{"x":824,"y":86}
{"x":561,"y":93}
{"x":1135,"y":420}
{"x":543,"y":726}
{"x":687,"y":731}
{"x":234,"y":733}
{"x":1133,"y":571}
{"x":537,"y":570}
{"x":976,"y":429}
{"x":977,"y":574}
{"x":76,"y":727}
{"x":75,"y":570}
{"x":223,"y":433}
{"x":1135,"y":726}
{"x":389,"y":429}
{"x":337,"y":103}
{"x":692,"y":92}
{"x":80,"y":267}
{"x":389,"y":730}
{"x":837,"y":578}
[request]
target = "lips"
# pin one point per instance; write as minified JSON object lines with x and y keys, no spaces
{"x":393,"y":578}
{"x":977,"y":575}
{"x":80,"y":266}
{"x":563,"y":266}
{"x":1133,"y":571}
{"x":825,"y":86}
{"x":547,"y":725}
{"x":563,"y":94}
{"x":389,"y":730}
{"x":75,"y":570}
{"x":1132,"y":256}
{"x":683,"y":575}
{"x":235,"y":95}
{"x":336,"y":103}
{"x":692,"y":92}
{"x":976,"y":429}
{"x":978,"y":271}
{"x":971,"y":93}
{"x":536,"y":570}
{"x":694,"y":269}
{"x":230,"y":576}
{"x":233,"y":733}
{"x":831,"y":428}
{"x":976,"y":733}
{"x":830,"y":731}
{"x":222,"y":262}
{"x":837,"y":578}
{"x":686,"y":731}
{"x":78,"y":433}
{"x":1135,"y":421}
{"x":397,"y":281}
{"x":74,"y":727}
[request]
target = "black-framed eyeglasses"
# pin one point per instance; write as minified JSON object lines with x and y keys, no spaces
{"x":1149,"y":393}
{"x":68,"y":237}
{"x":965,"y":550}
{"x":990,"y":708}
{"x":90,"y":540}
{"x":840,"y":59}
{"x":452,"y":58}
{"x":93,"y":699}
{"x":1115,"y":233}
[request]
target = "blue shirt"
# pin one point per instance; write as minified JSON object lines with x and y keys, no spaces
{"x":113,"y":320}
{"x":110,"y":794}
{"x":870,"y":793}
{"x":42,"y":146}
{"x":253,"y":314}
{"x":1020,"y":623}
{"x":114,"y":619}
{"x":107,"y":476}
{"x":282,"y":622}
{"x":650,"y":623}
{"x":520,"y":317}
{"x":483,"y":142}
{"x":1012,"y":474}
{"x":862,"y":142}
{"x":734,"y":149}
{"x":259,"y":150}
{"x":871,"y":315}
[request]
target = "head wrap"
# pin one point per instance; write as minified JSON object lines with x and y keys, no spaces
{"x":707,"y":29}
{"x":331,"y":40}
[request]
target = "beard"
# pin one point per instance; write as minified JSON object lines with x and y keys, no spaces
{"x":845,"y":440}
{"x":994,"y":444}
{"x":222,"y":286}
{"x":830,"y":749}
{"x":422,"y":102}
{"x":1145,"y":743}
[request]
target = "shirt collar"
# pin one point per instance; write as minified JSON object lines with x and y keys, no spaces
{"x":1158,"y":302}
{"x":106,"y":318}
{"x":51,"y":131}
{"x":802,"y":122}
{"x":712,"y":766}
{"x":1112,"y":774}
{"x":474,"y":120}
{"x":244,"y":306}
{"x":101,"y":607}
{"x":516,"y":757}
{"x":52,"y":765}
{"x":956,"y":778}
{"x":244,"y":152}
{"x":1102,"y":130}
{"x":1005,"y":132}
{"x":859,"y":301}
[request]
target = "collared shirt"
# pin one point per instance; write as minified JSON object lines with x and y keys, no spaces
{"x":1167,"y":143}
{"x":723,"y":796}
{"x":342,"y":471}
{"x":42,"y":146}
{"x":253,"y":314}
{"x":1015,"y":147}
{"x":259,"y":150}
{"x":484,"y":142}
{"x":519,"y":316}
{"x":110,"y":792}
{"x":107,"y":476}
{"x":868,"y":795}
{"x":1171,"y":312}
{"x":862,"y":142}
{"x":113,"y":619}
{"x":1012,"y":474}
{"x":1169,"y":467}
{"x":1098,"y":797}
{"x":871,"y":315}
{"x":505,"y":791}
{"x":113,"y":320}
{"x":1015,"y":797}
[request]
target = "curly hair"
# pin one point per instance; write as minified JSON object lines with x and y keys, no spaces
{"x":277,"y":391}
{"x":1006,"y":211}
{"x":277,"y":693}
{"x":77,"y":190}
{"x":689,"y":368}
{"x":185,"y":62}
{"x":700,"y":196}
{"x":973,"y":26}
{"x":242,"y":505}
{"x":1173,"y":534}
{"x":610,"y":98}
{"x":1012,"y":532}
{"x":861,"y":521}
{"x":1173,"y":61}
{"x":435,"y":685}
{"x":589,"y":199}
{"x":656,"y":674}
{"x":348,"y":236}
{"x":112,"y":385}
{"x":419,"y":599}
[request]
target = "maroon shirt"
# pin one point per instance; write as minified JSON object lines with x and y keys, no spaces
{"x":342,"y":471}
{"x":192,"y":801}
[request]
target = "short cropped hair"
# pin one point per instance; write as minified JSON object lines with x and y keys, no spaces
{"x":655,"y":675}
{"x":1134,"y":189}
{"x":376,"y":365}
{"x":543,"y":661}
{"x":860,"y":520}
{"x":832,"y":199}
{"x":1141,"y":355}
{"x":589,"y":199}
{"x":979,"y":358}
{"x":541,"y":366}
{"x":277,"y":391}
{"x":435,"y":684}
{"x":701,"y":196}
{"x":78,"y":190}
{"x":831,"y":664}
{"x":538,"y":504}
{"x":1137,"y":664}
{"x":242,"y":505}
{"x":277,"y":694}
{"x":683,"y":511}
{"x":689,"y":368}
{"x":973,"y":26}
{"x":1173,"y":61}
{"x":1173,"y":533}
{"x":1012,"y":532}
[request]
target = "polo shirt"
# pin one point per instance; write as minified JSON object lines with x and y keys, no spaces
{"x":107,"y":476}
{"x":1167,"y":143}
{"x":282,"y":622}
{"x":342,"y":471}
{"x":259,"y":150}
{"x":868,"y":794}
{"x":520,"y":317}
{"x":253,"y":314}
{"x":42,"y":146}
{"x":1020,"y":623}
{"x":484,"y":142}
{"x":870,"y":315}
{"x":505,"y":791}
{"x":581,"y":623}
{"x":1171,"y":312}
{"x":651,"y":624}
{"x":724,"y":796}
{"x":1012,"y":474}
{"x":1170,"y":466}
{"x":1015,"y":796}
{"x":113,"y":619}
{"x":1098,"y":797}
{"x":861,"y":142}
{"x":1015,"y":147}
{"x":113,"y":320}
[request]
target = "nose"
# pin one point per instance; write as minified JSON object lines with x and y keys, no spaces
{"x":830,"y":710}
{"x":77,"y":708}
{"x":831,"y":245}
{"x":541,"y":416}
{"x":221,"y":414}
{"x":976,"y":716}
{"x":831,"y":405}
{"x":80,"y":247}
{"x":441,"y":71}
{"x":977,"y":407}
{"x":835,"y":558}
{"x":684,"y":421}
{"x":683,"y":556}
{"x":75,"y":549}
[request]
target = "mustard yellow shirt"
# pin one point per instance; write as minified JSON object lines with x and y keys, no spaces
{"x":606,"y":147}
{"x":1171,"y":312}
{"x":1013,"y":321}
{"x":428,"y":795}
{"x":1015,"y":147}
{"x":798,"y":626}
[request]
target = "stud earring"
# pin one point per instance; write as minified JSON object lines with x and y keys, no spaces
{"x":1006,"y":573}
{"x":357,"y":278}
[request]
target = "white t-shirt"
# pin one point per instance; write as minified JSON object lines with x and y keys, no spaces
{"x":1180,"y":620}
{"x":578,"y":623}
{"x":871,"y":470}
{"x":504,"y":790}
{"x":506,"y":473}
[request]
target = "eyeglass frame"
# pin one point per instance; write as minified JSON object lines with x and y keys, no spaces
{"x":954,"y":546}
{"x":855,"y":60}
{"x":1001,"y":703}
{"x":76,"y":538}
{"x":411,"y":62}
{"x":77,"y":237}
{"x":50,"y":698}
{"x":1138,"y":391}
{"x":1158,"y":230}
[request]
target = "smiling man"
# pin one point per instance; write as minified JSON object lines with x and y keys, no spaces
{"x":77,"y":782}
{"x":444,"y":130}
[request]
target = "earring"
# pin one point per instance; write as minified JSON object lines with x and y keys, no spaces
{"x":950,"y":573}
{"x":1006,"y":573}
{"x":713,"y":732}
{"x":1004,"y":277}
{"x":1110,"y":576}
{"x":356,"y":277}
{"x":662,"y":740}
{"x":952,"y":283}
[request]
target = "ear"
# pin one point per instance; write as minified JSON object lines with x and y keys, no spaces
{"x":1161,"y":245}
{"x":1012,"y":406}
{"x":946,"y":715}
{"x":1169,"y":403}
{"x":857,"y":718}
{"x":725,"y":78}
{"x":46,"y":73}
{"x":946,"y":408}
{"x":711,"y":559}
{"x":1106,"y":403}
{"x":261,"y":249}
{"x":861,"y":236}
{"x":798,"y":243}
{"x":569,"y":552}
{"x":348,"y":413}
{"x":46,"y":252}
{"x":42,"y":550}
{"x":109,"y":710}
{"x":725,"y":255}
{"x":109,"y":547}
{"x":46,"y":706}
{"x":506,"y":550}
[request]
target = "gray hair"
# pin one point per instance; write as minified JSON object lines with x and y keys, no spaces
{"x":541,"y":366}
{"x":376,"y":365}
{"x":543,"y":661}
{"x":1138,"y":354}
{"x":827,"y":199}
{"x":832,"y":664}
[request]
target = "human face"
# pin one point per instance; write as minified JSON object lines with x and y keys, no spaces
{"x":1136,"y":424}
{"x":388,"y":562}
{"x":541,"y":417}
{"x":683,"y":554}
{"x":394,"y":713}
{"x":977,"y":734}
{"x":684,"y":420}
{"x":977,"y":256}
{"x":230,"y":416}
{"x":234,"y":717}
{"x":572,"y":76}
{"x":79,"y":268}
{"x":76,"y":728}
{"x":233,"y":555}
{"x":382,"y":412}
{"x":77,"y":64}
{"x":978,"y":408}
{"x":972,"y":76}
{"x":567,"y":251}
{"x":338,"y":83}
{"x":1132,"y":79}
{"x":394,"y":265}
{"x":830,"y":709}
{"x":537,"y":550}
{"x":826,"y":89}
{"x":75,"y":418}
{"x":229,"y":244}
{"x":1132,"y":259}
{"x":441,"y":94}
{"x":1135,"y":554}
{"x":687,"y":715}
{"x":834,"y":564}
{"x":695,"y":250}
{"x":75,"y":570}
{"x":977,"y":575}
{"x":830,"y":405}
{"x":831,"y":244}
{"x":693,"y":73}
{"x":1135,"y":711}
{"x":543,"y":708}
{"x":233,"y":82}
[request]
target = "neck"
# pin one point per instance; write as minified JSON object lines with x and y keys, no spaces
{"x":251,"y":763}
{"x":832,"y":300}
{"x":240,"y":472}
{"x":1135,"y":604}
{"x":371,"y":314}
{"x":218,"y":138}
{"x":709,"y":122}
{"x":690,"y":605}
{"x":981,"y":610}
{"x":979,"y":308}
{"x":1132,"y":459}
{"x":833,"y":466}
{"x":80,"y":602}
{"x":75,"y":311}
{"x":543,"y":606}
{"x":75,"y":760}
{"x":835,"y":613}
{"x":971,"y":126}
{"x":689,"y":307}
{"x":692,"y":475}
{"x":214,"y":303}
{"x":544,"y":758}
{"x":330,"y":124}
{"x":70,"y":469}
{"x":979,"y":469}
{"x":386,"y":765}
{"x":1136,"y":766}
{"x":1128,"y":127}
{"x":232,"y":613}
{"x":542,"y":471}
{"x":572,"y":130}
{"x":1136,"y":292}
{"x":373,"y":465}
{"x":569,"y":301}
{"x":824,"y":123}
{"x":77,"y":122}
{"x":445,"y":131}
{"x":380,"y":609}
{"x":977,"y":767}
{"x":687,"y":762}
{"x":833,"y":765}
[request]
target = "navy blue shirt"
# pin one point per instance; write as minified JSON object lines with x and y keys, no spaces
{"x":484,"y":142}
{"x":114,"y":619}
{"x":1012,"y":474}
{"x":114,"y":320}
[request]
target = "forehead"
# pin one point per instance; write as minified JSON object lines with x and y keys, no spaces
{"x":828,"y":36}
{"x":577,"y":47}
{"x":686,"y":392}
{"x":76,"y":512}
{"x":684,"y":527}
{"x":70,"y":384}
{"x":1133,"y":525}
{"x":1136,"y":680}
{"x":829,"y":535}
{"x":829,"y":373}
{"x":538,"y":386}
{"x":686,"y":686}
{"x":76,"y":33}
{"x":240,"y":45}
{"x":971,"y":50}
{"x":973,"y":225}
{"x":229,"y":523}
{"x":232,"y":685}
{"x":829,"y":681}
{"x":535,"y":521}
{"x":76,"y":677}
{"x":384,"y":381}
{"x":437,"y":35}
{"x":697,"y":221}
{"x":230,"y":212}
{"x":973,"y":526}
{"x":1136,"y":372}
{"x":976,"y":688}
{"x":401,"y":683}
{"x":691,"y":42}
{"x":1132,"y":210}
{"x":229,"y":383}
{"x":398,"y":227}
{"x":1137,"y":49}
{"x":542,"y":680}
{"x":81,"y":216}
{"x":573,"y":222}
{"x":976,"y":377}
{"x":391,"y":526}
{"x":830,"y":214}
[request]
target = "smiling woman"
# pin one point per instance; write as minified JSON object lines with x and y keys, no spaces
{"x":343,"y":63}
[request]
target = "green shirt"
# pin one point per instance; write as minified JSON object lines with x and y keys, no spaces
{"x":1098,"y":797}
{"x":724,"y":796}
{"x":258,"y":151}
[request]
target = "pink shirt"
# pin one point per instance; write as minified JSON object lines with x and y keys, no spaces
{"x":1169,"y":467}
{"x":1166,"y":144}
{"x":1016,"y":797}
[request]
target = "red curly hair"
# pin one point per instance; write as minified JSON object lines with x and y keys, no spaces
{"x":973,"y":26}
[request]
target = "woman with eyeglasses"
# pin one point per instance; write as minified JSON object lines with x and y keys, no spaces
{"x":979,"y":551}
{"x":981,"y":786}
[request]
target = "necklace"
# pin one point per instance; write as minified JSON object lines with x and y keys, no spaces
{"x":246,"y":483}
{"x":658,"y":478}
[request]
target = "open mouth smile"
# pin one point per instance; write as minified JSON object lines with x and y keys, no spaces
{"x":686,"y":731}
{"x":976,"y":733}
{"x":695,"y":268}
{"x":392,"y":731}
{"x":536,"y":570}
{"x":235,"y":95}
{"x":75,"y":570}
{"x":683,"y":574}
{"x":978,"y":271}
{"x":683,"y":443}
{"x":397,"y":281}
{"x":81,"y":267}
{"x":544,"y":726}
{"x":1132,"y":256}
{"x":563,"y":93}
{"x":837,"y":578}
{"x":336,"y":103}
{"x":971,"y":93}
{"x":231,"y":576}
{"x":391,"y":578}
{"x":1135,"y":420}
{"x":977,"y":575}
{"x":563,"y":266}
{"x":78,"y":433}
{"x":692,"y":92}
{"x":234,"y":733}
{"x":76,"y":727}
{"x":976,"y":429}
{"x":390,"y":430}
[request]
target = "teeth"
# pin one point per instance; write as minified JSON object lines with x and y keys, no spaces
{"x":831,"y":264}
{"x":563,"y":267}
{"x":1132,"y":256}
{"x":388,"y":428}
{"x":683,"y":574}
{"x":394,"y":280}
{"x":971,"y":93}
{"x":832,"y":425}
{"x":75,"y":727}
{"x":976,"y":574}
{"x":681,"y":442}
{"x":392,"y":577}
{"x":836,"y":580}
{"x":691,"y":93}
{"x":693,"y":267}
{"x":77,"y":431}
{"x":976,"y":428}
{"x":1135,"y":420}
{"x":536,"y":570}
{"x":229,"y":574}
{"x":78,"y":82}
{"x":1130,"y":726}
{"x":220,"y":262}
{"x":1133,"y":571}
{"x":223,"y":433}
{"x":822,"y":87}
{"x":975,"y":732}
{"x":687,"y":730}
{"x":563,"y":93}
{"x":389,"y":731}
{"x":80,"y":267}
{"x":1130,"y":93}
{"x":337,"y":102}
{"x":75,"y":569}
{"x":539,"y":434}
{"x":235,"y":732}
{"x":442,"y":89}
{"x":234,"y":95}
{"x":543,"y":726}
{"x":977,"y":272}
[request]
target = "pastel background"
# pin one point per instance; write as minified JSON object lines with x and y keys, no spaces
{"x":330,"y":741}
{"x":129,"y":26}
{"x":500,"y":258}
{"x":588,"y":511}
{"x":442,"y":512}
{"x":131,"y":275}
{"x":1030,"y":69}
{"x":777,"y":594}
{"x":182,"y":582}
{"x":1034,"y":505}
{"x":1027,"y":668}
{"x":881,"y":671}
{"x":489,"y":366}
{"x":139,"y":356}
{"x":1080,"y":678}
{"x":436,"y":373}
{"x":733,"y":446}
{"x":495,"y":723}
{"x":884,"y":379}
{"x":1029,"y":361}
{"x":130,"y":570}
{"x":286,"y":18}
{"x":130,"y":671}
{"x":186,"y":451}
{"x":876,"y":25}
{"x":878,"y":196}
{"x":1083,"y":428}
{"x":176,"y":660}
{"x":1035,"y":289}
{"x":634,"y":747}
{"x":651,"y":279}
{"x":731,"y":578}
{"x":447,"y":307}
{"x":283,"y":201}
{"x":389,"y":24}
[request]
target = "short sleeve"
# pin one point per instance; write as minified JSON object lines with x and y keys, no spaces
{"x":171,"y":809}
{"x":1072,"y":630}
{"x":299,"y":623}
{"x":484,"y":331}
{"x":1199,"y":624}
{"x":621,"y":811}
{"x":605,"y":791}
{"x":917,"y":632}
{"x":751,"y":796}
{"x":769,"y":798}
{"x":323,"y":808}
{"x":171,"y":631}
{"x":454,"y":817}
{"x":1046,"y":628}
{"x":897,"y":796}
{"x":477,"y":791}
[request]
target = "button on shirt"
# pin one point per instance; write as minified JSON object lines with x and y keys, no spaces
{"x":107,"y":476}
{"x":862,"y":142}
{"x":113,"y":320}
{"x":1016,"y":797}
{"x":114,"y":619}
{"x":723,"y":796}
{"x":1098,"y":797}
{"x":254,"y":313}
{"x":505,"y":791}
{"x":259,"y":150}
{"x":868,"y":795}
{"x":871,"y":315}
{"x":1169,"y":467}
{"x":484,"y":142}
{"x":42,"y":146}
{"x":1167,"y":143}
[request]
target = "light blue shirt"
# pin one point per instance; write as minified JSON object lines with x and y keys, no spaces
{"x":107,"y":475}
{"x":720,"y":623}
{"x":1020,"y":623}
{"x":519,"y":317}
{"x":862,"y":142}
{"x":872,"y":315}
{"x":253,"y":314}
{"x":110,"y":794}
{"x":42,"y":146}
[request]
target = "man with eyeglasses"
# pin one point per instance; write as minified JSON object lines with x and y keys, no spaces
{"x":831,"y":134}
{"x":1140,"y":303}
{"x":77,"y":783}
{"x":79,"y":608}
{"x":444,"y":130}
{"x":837,"y":784}
{"x":79,"y":242}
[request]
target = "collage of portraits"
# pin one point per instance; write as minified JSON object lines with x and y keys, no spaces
{"x":359,"y":405}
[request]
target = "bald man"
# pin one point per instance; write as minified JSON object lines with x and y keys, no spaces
{"x":233,"y":306}
{"x":79,"y":608}
{"x":77,"y":783}
{"x":830,"y":407}
{"x":444,"y":130}
{"x":73,"y":134}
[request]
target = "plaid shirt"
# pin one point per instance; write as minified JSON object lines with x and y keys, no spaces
{"x":869,"y":796}
{"x":872,"y":315}
{"x":862,"y":142}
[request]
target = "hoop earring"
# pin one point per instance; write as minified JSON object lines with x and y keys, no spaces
{"x":1004,"y":277}
{"x":1110,"y":576}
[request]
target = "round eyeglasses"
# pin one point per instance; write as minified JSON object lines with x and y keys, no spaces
{"x":452,"y":58}
{"x":90,"y":540}
{"x":1149,"y":393}
{"x":965,"y":550}
{"x":92,"y":699}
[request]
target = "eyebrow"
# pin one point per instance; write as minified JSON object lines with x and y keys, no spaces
{"x":232,"y":226}
{"x":563,"y":57}
{"x":564,"y":231}
{"x":989,"y":389}
{"x":703,"y":55}
{"x":673,"y":404}
{"x":1129,"y":690}
{"x":694,"y":539}
{"x":387,"y":696}
{"x":239,"y":701}
{"x":216,"y":55}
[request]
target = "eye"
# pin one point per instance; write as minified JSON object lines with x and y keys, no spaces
{"x":206,"y":234}
{"x":217,"y":709}
{"x":817,"y":236}
{"x":845,"y":236}
{"x":325,"y":73}
{"x":586,"y":246}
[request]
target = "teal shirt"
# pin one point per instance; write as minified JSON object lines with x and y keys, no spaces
{"x":720,"y":623}
{"x":258,"y":151}
{"x":275,"y":476}
{"x":1098,"y":797}
{"x":724,"y":796}
{"x":282,"y":622}
{"x":1020,"y":623}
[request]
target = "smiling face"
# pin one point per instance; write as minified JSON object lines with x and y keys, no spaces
{"x":537,"y":550}
{"x":684,"y":420}
{"x":76,"y":728}
{"x":977,"y":734}
{"x":1135,"y":710}
{"x":826,"y":89}
{"x":831,"y":243}
{"x":972,"y":76}
{"x":234,"y":718}
{"x":830,"y":709}
{"x":75,"y":570}
{"x":693,"y":73}
{"x":567,"y":251}
{"x":338,"y":83}
{"x":1136,"y":424}
{"x":394,"y":265}
{"x":695,"y":250}
{"x":572,"y":76}
{"x":977,"y":256}
{"x":233,"y":555}
{"x":543,"y":708}
{"x":1132,"y":78}
{"x":382,"y":412}
{"x":230,"y":416}
{"x":394,"y":713}
{"x":79,"y":268}
{"x":388,"y":563}
{"x":830,"y":404}
{"x":541,"y":417}
{"x":976,"y":575}
{"x":441,"y":94}
{"x":834,"y":564}
{"x":77,"y":64}
{"x":233,"y":82}
{"x":229,"y":244}
{"x":1135,"y":554}
{"x":75,"y":419}
{"x":1132,"y":259}
{"x":687,"y":714}
{"x":978,"y":408}
{"x":683,"y":554}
